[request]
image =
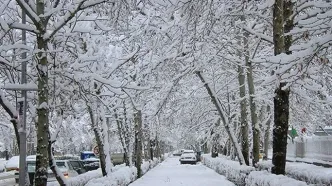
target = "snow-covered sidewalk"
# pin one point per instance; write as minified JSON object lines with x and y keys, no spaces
{"x":171,"y":173}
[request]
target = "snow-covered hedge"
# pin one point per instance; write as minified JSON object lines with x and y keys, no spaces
{"x":147,"y":165}
{"x":82,"y":179}
{"x":309,"y":173}
{"x":121,"y":177}
{"x":232,"y":170}
{"x":265,"y":178}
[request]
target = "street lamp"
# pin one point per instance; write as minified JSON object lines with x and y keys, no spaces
{"x":23,"y":87}
{"x":22,"y":122}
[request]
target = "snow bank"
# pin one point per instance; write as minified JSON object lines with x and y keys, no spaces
{"x":309,"y":173}
{"x":265,"y":178}
{"x":232,"y":170}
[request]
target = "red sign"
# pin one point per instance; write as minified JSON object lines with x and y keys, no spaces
{"x":96,"y":150}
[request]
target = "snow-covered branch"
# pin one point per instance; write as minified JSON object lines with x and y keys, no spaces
{"x":84,"y":4}
{"x":29,"y":11}
{"x":8,"y":106}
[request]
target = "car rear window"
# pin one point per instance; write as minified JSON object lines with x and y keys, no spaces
{"x":60,"y":164}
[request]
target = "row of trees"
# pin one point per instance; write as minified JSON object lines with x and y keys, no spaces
{"x":128,"y":73}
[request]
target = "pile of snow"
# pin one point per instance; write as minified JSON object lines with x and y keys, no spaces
{"x":232,"y":170}
{"x":309,"y":173}
{"x":265,"y":178}
{"x":120,"y":177}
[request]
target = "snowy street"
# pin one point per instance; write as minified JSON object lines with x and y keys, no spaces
{"x":172,"y":173}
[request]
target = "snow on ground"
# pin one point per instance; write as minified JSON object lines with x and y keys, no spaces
{"x":172,"y":173}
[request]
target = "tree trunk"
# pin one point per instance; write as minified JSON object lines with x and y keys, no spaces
{"x":281,"y":99}
{"x":250,"y":79}
{"x":267,"y":133}
{"x":151,"y":145}
{"x":121,"y":133}
{"x":243,"y":107}
{"x":224,"y":119}
{"x":105,"y":142}
{"x":138,"y":142}
{"x":42,"y":108}
{"x":98,"y":140}
{"x":58,"y":174}
{"x":243,"y":119}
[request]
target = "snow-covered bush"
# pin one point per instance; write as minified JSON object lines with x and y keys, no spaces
{"x":265,"y":178}
{"x":264,"y":165}
{"x":121,"y":177}
{"x":232,"y":170}
{"x":309,"y":173}
{"x":124,"y":175}
{"x":147,"y":165}
{"x":82,"y":179}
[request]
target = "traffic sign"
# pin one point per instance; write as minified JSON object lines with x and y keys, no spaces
{"x":96,"y":150}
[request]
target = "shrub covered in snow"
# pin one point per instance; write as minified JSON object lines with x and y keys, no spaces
{"x":82,"y":179}
{"x":257,"y":178}
{"x":147,"y":165}
{"x":309,"y":173}
{"x":121,"y":177}
{"x":232,"y":170}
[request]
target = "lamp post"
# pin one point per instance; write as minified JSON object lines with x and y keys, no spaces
{"x":22,"y":109}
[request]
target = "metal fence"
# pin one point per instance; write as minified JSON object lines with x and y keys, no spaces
{"x":314,"y":147}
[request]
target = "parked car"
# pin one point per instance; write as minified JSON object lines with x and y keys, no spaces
{"x":91,"y":164}
{"x":69,"y":168}
{"x":12,"y":164}
{"x":188,"y":156}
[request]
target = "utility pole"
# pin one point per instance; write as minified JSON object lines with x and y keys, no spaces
{"x":22,"y":113}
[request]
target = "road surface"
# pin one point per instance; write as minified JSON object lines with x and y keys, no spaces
{"x":172,"y":173}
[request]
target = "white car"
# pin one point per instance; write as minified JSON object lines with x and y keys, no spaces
{"x":188,"y":156}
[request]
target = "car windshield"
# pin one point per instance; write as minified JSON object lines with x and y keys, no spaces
{"x":188,"y":152}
